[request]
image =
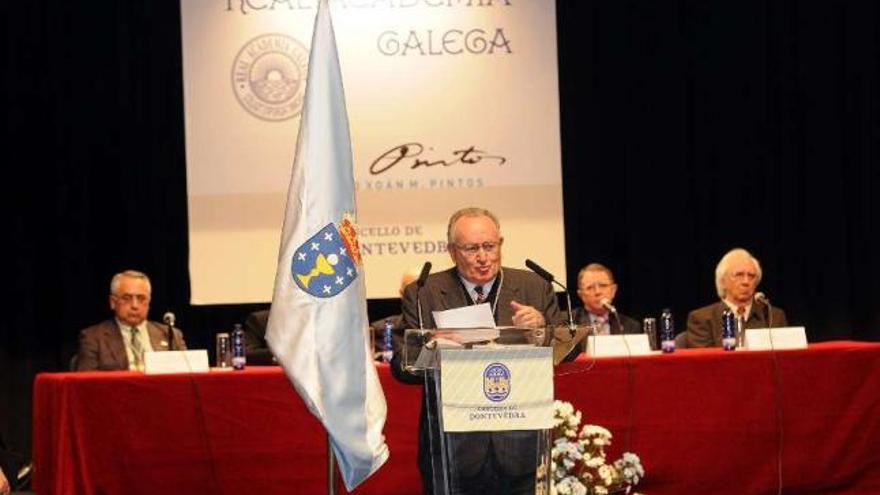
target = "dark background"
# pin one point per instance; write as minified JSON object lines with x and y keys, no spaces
{"x":688,"y":128}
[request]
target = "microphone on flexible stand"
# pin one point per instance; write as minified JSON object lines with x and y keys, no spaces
{"x":420,"y":282}
{"x":169,"y":319}
{"x":572,"y":328}
{"x":760,"y":297}
{"x":606,"y":303}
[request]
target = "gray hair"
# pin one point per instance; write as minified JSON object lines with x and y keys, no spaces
{"x":470,"y":211}
{"x":724,"y":265}
{"x":117,"y":279}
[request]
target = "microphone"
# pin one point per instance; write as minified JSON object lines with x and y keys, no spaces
{"x":426,"y":269}
{"x":540,"y":271}
{"x":761,"y":298}
{"x":606,"y":303}
{"x":169,"y":319}
{"x":549,"y":278}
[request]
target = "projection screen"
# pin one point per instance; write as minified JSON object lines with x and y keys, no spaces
{"x":451,"y":103}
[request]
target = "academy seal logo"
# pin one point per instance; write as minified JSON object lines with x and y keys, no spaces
{"x":496,"y":382}
{"x":269,"y":76}
{"x":327,"y":262}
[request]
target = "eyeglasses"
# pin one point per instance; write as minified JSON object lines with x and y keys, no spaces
{"x":596,"y":286}
{"x":744,"y":275}
{"x":128,"y":298}
{"x":473,"y":249}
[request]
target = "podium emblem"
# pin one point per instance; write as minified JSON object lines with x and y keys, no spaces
{"x":327,"y":262}
{"x":496,"y":382}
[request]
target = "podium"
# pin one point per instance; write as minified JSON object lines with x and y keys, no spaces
{"x":488,"y":409}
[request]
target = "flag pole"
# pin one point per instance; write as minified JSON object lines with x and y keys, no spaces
{"x":331,"y":468}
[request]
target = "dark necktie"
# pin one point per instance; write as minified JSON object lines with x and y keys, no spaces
{"x":481,"y":298}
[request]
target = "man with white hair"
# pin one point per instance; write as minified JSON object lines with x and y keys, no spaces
{"x":736,"y":278}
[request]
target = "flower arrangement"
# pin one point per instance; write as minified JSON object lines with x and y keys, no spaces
{"x":578,"y":463}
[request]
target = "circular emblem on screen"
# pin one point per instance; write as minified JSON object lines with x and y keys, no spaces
{"x":496,"y":382}
{"x":269,"y":76}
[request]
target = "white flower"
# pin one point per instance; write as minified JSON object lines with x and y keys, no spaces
{"x":578,"y":458}
{"x":606,"y":472}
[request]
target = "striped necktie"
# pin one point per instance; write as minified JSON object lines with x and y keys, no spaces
{"x":137,"y":350}
{"x":481,"y":298}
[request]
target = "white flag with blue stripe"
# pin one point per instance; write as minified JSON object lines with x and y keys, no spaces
{"x":318,"y":321}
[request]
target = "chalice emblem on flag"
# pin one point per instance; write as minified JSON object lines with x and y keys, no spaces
{"x":327,"y":263}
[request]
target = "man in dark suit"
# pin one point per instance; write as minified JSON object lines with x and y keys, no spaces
{"x":256,"y":348}
{"x":736,"y":279}
{"x":120,"y":343}
{"x":487,"y":463}
{"x":596,"y":288}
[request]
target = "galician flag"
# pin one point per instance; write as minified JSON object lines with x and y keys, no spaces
{"x":318,"y":322}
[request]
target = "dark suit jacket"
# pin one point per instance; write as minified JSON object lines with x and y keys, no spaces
{"x":704,"y":324}
{"x":101,"y":346}
{"x":513,"y":451}
{"x":256,"y":347}
{"x":580,"y":315}
{"x":629,"y":325}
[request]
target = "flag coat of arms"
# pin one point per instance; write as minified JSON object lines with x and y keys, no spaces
{"x":318,"y":321}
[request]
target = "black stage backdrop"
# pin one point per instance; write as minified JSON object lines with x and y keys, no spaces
{"x":688,"y":128}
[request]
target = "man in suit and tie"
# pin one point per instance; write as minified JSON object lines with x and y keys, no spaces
{"x":486,"y":463}
{"x":120,"y":342}
{"x":736,"y":279}
{"x":596,"y":288}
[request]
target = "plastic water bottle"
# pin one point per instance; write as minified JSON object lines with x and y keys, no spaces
{"x":667,"y":331}
{"x":387,"y":342}
{"x":728,"y":330}
{"x":238,"y":352}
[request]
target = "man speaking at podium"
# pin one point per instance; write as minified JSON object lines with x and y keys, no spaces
{"x":486,"y":462}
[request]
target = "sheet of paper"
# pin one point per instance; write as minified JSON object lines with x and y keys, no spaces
{"x":475,"y":316}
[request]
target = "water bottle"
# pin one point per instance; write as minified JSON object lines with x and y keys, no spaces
{"x":387,"y":342}
{"x":728,"y":330}
{"x":667,"y":331}
{"x":238,"y":351}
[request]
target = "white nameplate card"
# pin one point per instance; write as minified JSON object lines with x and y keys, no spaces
{"x":635,"y":344}
{"x":497,"y":389}
{"x":763,"y":339}
{"x":161,"y":362}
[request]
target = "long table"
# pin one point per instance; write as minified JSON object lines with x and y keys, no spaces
{"x":702,"y":421}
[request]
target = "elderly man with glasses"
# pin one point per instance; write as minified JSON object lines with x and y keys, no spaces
{"x":596,"y":288}
{"x":120,"y":342}
{"x":487,"y":462}
{"x":736,"y":279}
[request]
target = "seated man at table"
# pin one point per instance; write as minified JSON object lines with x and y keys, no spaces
{"x":120,"y":342}
{"x":596,"y":288}
{"x":256,"y":347}
{"x":488,"y":463}
{"x":736,"y":279}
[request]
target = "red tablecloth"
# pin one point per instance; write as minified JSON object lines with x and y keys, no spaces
{"x":703,"y":421}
